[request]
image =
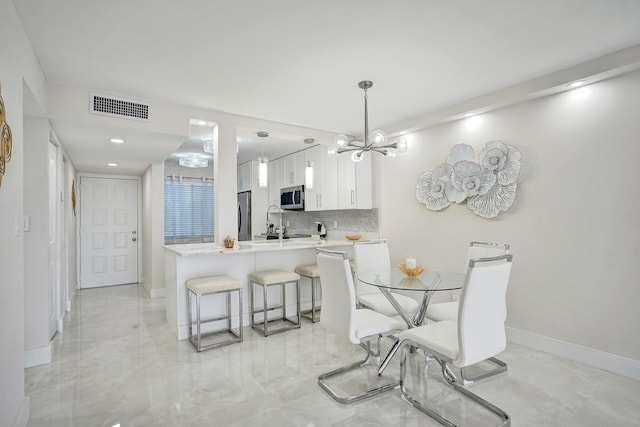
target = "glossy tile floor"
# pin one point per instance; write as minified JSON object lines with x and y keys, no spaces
{"x":117,"y":362}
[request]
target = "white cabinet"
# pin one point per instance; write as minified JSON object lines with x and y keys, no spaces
{"x":244,"y":176}
{"x":323,"y":195}
{"x":338,"y":183}
{"x":293,"y":169}
{"x":275,"y":181}
{"x":354,"y":183}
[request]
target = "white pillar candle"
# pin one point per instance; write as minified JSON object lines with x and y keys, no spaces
{"x":411,"y":263}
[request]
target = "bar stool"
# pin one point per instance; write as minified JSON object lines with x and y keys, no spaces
{"x":312,"y":273}
{"x":204,"y":286}
{"x":265,"y":279}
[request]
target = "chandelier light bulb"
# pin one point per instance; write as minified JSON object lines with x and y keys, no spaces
{"x":377,"y":137}
{"x":390,"y":152}
{"x":341,"y":140}
{"x":357,"y":156}
{"x":333,"y":149}
{"x":402,"y":145}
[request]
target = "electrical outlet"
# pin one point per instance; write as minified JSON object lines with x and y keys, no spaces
{"x":455,"y":297}
{"x":335,"y":223}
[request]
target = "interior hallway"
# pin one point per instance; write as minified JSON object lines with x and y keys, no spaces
{"x":117,"y":362}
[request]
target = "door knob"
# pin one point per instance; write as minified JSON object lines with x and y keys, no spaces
{"x":133,"y":239}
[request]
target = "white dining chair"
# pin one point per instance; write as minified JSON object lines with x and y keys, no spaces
{"x":340,"y":316}
{"x":449,"y":310}
{"x":478,"y":334}
{"x":374,"y":255}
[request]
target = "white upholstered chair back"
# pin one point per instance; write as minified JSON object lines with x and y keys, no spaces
{"x":482,"y":311}
{"x":338,"y":294}
{"x":486,"y":250}
{"x":371,"y":255}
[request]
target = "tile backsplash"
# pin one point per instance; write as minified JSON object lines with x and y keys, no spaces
{"x":360,"y":220}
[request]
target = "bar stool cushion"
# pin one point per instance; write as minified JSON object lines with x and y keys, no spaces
{"x":308,"y":270}
{"x":213,"y":284}
{"x":271,"y":277}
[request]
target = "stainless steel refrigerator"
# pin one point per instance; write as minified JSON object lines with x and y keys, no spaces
{"x":244,"y":215}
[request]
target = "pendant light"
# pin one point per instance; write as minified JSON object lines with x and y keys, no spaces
{"x":376,"y":141}
{"x":263,"y":172}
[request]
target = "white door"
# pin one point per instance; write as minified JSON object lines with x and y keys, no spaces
{"x":108,"y":231}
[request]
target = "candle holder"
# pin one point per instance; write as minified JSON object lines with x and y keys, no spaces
{"x":411,"y":271}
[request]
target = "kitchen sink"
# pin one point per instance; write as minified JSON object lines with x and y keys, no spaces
{"x":276,"y":243}
{"x":288,"y":236}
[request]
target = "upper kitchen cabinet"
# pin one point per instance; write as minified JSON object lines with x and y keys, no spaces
{"x":293,"y":169}
{"x":355,"y":188}
{"x":245,"y":175}
{"x":275,"y":181}
{"x":323,"y":193}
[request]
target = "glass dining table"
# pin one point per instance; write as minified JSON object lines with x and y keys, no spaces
{"x":425,"y":285}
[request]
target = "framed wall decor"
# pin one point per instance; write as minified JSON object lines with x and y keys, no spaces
{"x":6,"y":143}
{"x":488,"y":186}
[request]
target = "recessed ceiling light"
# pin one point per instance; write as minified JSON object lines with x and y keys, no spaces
{"x":577,"y":83}
{"x":116,"y":140}
{"x":113,"y":165}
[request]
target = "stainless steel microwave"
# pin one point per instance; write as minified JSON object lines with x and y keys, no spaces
{"x":292,"y":198}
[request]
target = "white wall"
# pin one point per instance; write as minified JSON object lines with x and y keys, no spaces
{"x":71,"y":235}
{"x":36,"y":240}
{"x":153,"y":230}
{"x":573,"y":227}
{"x":18,"y":67}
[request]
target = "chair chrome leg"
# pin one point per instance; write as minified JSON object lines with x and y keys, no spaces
{"x":450,"y":378}
{"x":355,"y":398}
{"x":500,"y":367}
{"x":413,"y":401}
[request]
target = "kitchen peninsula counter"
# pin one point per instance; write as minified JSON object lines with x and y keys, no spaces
{"x":188,"y":261}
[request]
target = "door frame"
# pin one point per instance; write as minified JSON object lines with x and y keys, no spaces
{"x":138,"y":219}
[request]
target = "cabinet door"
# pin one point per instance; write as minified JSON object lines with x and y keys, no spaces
{"x":275,"y":181}
{"x":324,"y":193}
{"x":293,"y":169}
{"x":354,"y":183}
{"x":244,"y":176}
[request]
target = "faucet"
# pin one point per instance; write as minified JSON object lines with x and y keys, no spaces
{"x":280,"y":231}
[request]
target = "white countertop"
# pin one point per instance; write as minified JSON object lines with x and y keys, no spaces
{"x":192,"y":249}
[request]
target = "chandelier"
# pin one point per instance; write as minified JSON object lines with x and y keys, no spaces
{"x":376,"y":141}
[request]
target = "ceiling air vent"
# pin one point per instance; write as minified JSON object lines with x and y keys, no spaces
{"x":107,"y":105}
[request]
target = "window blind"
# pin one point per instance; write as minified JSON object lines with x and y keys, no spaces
{"x":188,"y":210}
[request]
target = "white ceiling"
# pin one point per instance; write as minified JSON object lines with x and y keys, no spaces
{"x":299,"y":61}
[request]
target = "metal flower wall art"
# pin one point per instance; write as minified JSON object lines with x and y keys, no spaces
{"x":488,"y":186}
{"x":6,"y":144}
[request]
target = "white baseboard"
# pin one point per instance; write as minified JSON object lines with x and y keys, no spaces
{"x":153,"y":292}
{"x":37,"y":356}
{"x":22,"y":416}
{"x":599,"y":359}
{"x":156,"y":293}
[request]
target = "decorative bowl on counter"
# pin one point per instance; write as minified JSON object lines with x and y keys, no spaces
{"x":229,"y":242}
{"x":411,"y":271}
{"x":353,"y":236}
